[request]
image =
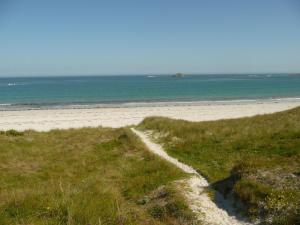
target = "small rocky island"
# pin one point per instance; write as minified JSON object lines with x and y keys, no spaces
{"x":178,"y":75}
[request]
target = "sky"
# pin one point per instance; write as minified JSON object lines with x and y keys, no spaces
{"x":86,"y":37}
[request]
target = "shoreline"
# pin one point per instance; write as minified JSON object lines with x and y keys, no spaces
{"x":138,"y":104}
{"x":48,"y":119}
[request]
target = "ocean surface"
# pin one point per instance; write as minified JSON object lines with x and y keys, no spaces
{"x":101,"y":91}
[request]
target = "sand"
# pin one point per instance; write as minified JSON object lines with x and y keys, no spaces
{"x":44,"y":120}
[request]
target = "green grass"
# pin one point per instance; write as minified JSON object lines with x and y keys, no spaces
{"x":86,"y":176}
{"x":257,"y":158}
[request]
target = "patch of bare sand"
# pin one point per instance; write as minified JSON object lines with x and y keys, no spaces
{"x":44,"y":120}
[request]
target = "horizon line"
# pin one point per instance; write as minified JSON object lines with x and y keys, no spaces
{"x":142,"y":74}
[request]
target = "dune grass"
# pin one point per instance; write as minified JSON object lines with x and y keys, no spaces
{"x":256,"y":159}
{"x":86,"y":176}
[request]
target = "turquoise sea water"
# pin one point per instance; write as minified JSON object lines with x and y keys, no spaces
{"x":36,"y":92}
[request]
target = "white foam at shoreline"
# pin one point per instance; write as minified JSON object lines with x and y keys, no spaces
{"x":15,"y":107}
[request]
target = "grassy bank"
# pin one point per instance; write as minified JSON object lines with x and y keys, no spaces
{"x":86,"y":176}
{"x":257,"y":159}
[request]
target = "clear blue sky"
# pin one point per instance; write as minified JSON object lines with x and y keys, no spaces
{"x":72,"y":37}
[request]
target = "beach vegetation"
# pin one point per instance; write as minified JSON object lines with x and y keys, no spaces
{"x":11,"y":133}
{"x":254,"y":160}
{"x":86,"y":176}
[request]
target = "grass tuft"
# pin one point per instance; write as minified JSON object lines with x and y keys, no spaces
{"x":12,"y":133}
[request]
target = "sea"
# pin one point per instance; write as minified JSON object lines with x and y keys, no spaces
{"x":19,"y":93}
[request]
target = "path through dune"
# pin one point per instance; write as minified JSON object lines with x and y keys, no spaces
{"x":198,"y":200}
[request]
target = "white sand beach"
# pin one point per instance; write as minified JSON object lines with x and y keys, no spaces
{"x":44,"y":120}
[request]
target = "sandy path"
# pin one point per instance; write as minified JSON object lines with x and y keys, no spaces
{"x":44,"y":120}
{"x":206,"y":210}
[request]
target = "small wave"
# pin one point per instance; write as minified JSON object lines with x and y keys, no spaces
{"x":15,"y":84}
{"x":288,"y":99}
